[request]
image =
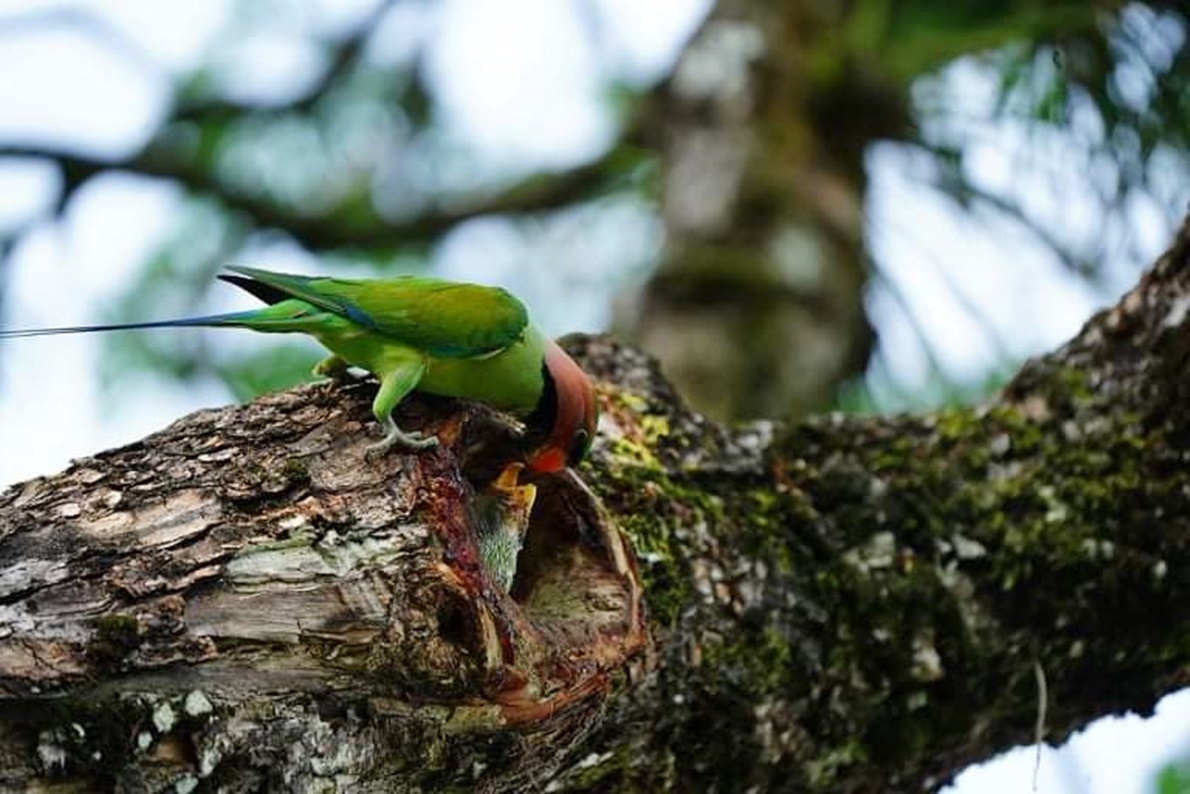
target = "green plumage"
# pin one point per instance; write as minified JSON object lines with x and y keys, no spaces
{"x":501,"y":515}
{"x":444,"y":319}
{"x":442,"y":337}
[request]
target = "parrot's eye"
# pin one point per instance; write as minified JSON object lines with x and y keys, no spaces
{"x":578,"y":448}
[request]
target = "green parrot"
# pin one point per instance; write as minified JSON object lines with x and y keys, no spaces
{"x":439,"y":337}
{"x":501,"y":514}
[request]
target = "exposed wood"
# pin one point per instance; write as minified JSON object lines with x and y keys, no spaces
{"x":251,"y":562}
{"x":243,"y":602}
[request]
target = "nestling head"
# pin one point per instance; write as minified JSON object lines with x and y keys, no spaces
{"x":567,"y":412}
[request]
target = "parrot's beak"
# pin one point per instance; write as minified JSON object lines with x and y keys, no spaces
{"x":508,"y":478}
{"x":515,"y":500}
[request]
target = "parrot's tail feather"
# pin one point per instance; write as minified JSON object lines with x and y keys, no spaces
{"x":231,"y":318}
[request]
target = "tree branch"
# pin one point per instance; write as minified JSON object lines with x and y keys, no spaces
{"x":852,"y":604}
{"x":355,"y":226}
{"x":539,"y":193}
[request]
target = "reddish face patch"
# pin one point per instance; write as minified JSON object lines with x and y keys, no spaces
{"x":575,"y":417}
{"x":547,"y":460}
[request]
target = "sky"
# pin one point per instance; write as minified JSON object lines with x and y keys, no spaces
{"x":520,"y":81}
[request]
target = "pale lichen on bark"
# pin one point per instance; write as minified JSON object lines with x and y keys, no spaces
{"x":326,"y":605}
{"x":851,"y":604}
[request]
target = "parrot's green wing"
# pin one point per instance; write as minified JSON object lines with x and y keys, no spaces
{"x":444,"y":318}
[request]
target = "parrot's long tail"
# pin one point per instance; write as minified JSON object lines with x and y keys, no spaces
{"x":250,"y":319}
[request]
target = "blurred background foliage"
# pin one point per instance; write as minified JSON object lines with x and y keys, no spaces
{"x":1174,"y":779}
{"x":868,"y":204}
{"x":721,"y":205}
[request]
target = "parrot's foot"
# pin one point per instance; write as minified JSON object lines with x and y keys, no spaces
{"x":396,"y":437}
{"x":334,"y":368}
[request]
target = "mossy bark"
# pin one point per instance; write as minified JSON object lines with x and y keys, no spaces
{"x":851,"y":604}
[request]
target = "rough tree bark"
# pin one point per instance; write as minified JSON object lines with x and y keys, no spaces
{"x":241,"y":602}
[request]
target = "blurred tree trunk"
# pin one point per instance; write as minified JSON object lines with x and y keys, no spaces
{"x":757,"y":309}
{"x":243,"y":602}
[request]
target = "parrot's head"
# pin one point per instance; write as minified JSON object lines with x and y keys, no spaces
{"x":566,"y":415}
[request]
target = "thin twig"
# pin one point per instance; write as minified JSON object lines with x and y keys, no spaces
{"x":1039,"y":728}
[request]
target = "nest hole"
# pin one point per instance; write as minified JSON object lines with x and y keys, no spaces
{"x":567,"y":583}
{"x":455,"y":622}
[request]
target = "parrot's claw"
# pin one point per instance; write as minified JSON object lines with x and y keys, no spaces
{"x":334,"y":368}
{"x":394,"y":436}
